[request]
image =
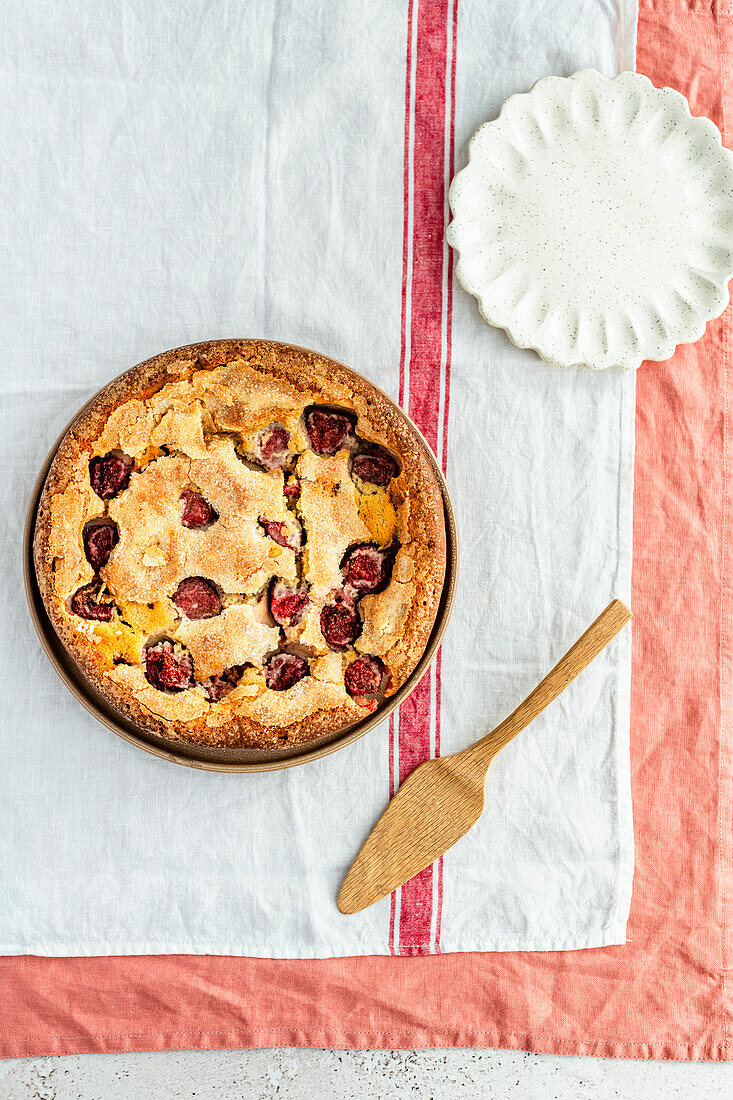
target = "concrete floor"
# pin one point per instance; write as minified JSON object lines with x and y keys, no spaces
{"x":358,"y":1075}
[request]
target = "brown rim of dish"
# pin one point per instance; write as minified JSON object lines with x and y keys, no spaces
{"x":225,"y":759}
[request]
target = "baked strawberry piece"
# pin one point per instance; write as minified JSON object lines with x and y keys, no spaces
{"x":272,"y":448}
{"x":365,"y":567}
{"x":168,"y":668}
{"x":365,"y":676}
{"x":218,"y":687}
{"x":284,"y":670}
{"x":340,"y":623}
{"x":376,"y":466}
{"x":109,"y":474}
{"x":197,"y":512}
{"x":89,"y":603}
{"x":286,"y":603}
{"x":328,"y":431}
{"x":279,"y":532}
{"x":100,"y":538}
{"x":197,"y":598}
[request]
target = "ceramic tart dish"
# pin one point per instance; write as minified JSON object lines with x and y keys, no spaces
{"x":242,"y":544}
{"x":594,"y":220}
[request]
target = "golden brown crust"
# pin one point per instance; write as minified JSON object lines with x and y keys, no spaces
{"x":192,"y":402}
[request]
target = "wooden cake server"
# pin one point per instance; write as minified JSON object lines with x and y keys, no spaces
{"x":440,"y":801}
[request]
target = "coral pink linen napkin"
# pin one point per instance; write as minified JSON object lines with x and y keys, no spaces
{"x":664,"y":994}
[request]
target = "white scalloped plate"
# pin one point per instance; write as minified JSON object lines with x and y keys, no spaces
{"x":594,"y":220}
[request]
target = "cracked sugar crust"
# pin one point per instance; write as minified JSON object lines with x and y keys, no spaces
{"x":192,"y":422}
{"x":233,"y":552}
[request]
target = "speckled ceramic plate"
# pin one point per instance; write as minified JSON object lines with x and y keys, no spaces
{"x":594,"y":220}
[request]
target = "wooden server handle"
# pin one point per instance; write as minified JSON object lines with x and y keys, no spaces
{"x":578,"y":657}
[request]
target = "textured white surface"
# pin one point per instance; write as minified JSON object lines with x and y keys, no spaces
{"x":594,"y":220}
{"x":358,"y":1075}
{"x":186,"y":172}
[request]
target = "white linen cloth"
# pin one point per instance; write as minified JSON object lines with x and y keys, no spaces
{"x":212,"y":169}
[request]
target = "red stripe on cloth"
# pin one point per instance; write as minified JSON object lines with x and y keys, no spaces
{"x":416,"y":897}
{"x":428,"y":190}
{"x":446,"y":406}
{"x":403,"y":345}
{"x":439,"y":864}
{"x":406,"y":192}
{"x":425,"y":195}
{"x":393,"y":898}
{"x":449,"y":281}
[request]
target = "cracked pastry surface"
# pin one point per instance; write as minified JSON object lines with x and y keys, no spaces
{"x":242,"y":544}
